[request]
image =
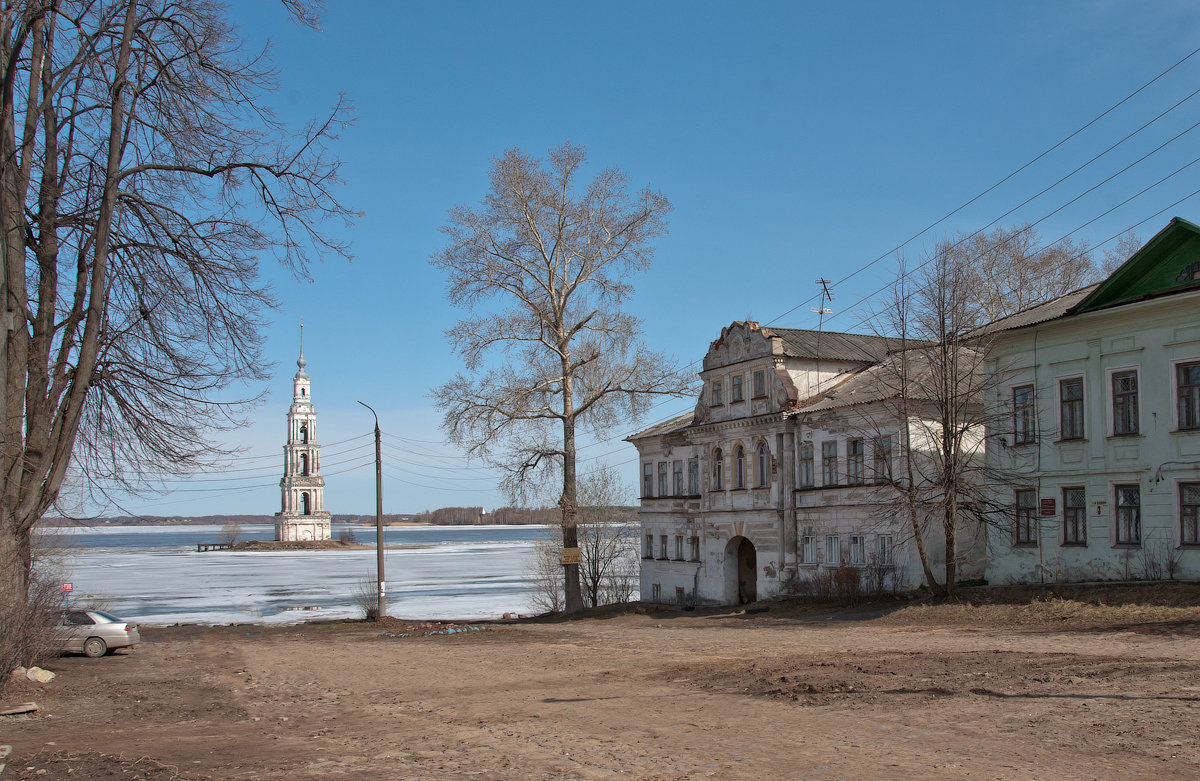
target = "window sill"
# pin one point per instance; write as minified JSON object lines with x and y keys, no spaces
{"x":1127,"y":545}
{"x":1186,"y":431}
{"x":1135,"y":435}
{"x":1070,"y":441}
{"x":760,"y":396}
{"x":1025,"y":544}
{"x":1023,"y":443}
{"x":1072,"y":544}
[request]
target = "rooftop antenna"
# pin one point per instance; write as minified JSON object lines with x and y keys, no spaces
{"x":820,"y":312}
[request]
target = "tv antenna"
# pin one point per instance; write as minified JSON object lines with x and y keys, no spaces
{"x":820,"y":311}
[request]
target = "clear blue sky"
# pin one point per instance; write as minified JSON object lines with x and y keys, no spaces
{"x":796,"y":140}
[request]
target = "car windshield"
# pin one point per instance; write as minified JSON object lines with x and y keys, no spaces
{"x":102,"y":617}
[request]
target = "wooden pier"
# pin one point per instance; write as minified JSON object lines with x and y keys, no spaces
{"x":204,"y":547}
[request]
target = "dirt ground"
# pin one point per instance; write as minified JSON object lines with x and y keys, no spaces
{"x":1055,"y":690}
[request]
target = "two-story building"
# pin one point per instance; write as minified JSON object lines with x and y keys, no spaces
{"x":1100,"y":444}
{"x":789,"y":465}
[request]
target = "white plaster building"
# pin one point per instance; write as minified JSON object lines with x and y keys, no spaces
{"x":1101,"y":395}
{"x":303,"y":515}
{"x":785,"y":468}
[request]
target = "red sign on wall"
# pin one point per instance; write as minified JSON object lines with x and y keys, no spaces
{"x":68,"y":588}
{"x":1047,"y":507}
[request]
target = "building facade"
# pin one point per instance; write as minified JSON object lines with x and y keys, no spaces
{"x":788,"y":467}
{"x":303,"y":515}
{"x":1100,"y":399}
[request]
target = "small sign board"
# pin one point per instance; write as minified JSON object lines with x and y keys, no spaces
{"x":67,"y":588}
{"x":572,"y":556}
{"x":1047,"y":507}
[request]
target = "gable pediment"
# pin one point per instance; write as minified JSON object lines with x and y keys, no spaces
{"x":1168,"y":263}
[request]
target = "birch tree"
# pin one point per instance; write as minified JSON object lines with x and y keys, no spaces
{"x":142,"y":178}
{"x":543,"y":264}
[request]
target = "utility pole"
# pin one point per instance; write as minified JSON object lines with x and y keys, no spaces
{"x":381,"y":609}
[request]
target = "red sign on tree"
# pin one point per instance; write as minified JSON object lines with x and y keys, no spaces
{"x":67,"y":588}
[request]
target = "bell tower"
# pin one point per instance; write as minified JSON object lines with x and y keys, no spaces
{"x":303,"y":515}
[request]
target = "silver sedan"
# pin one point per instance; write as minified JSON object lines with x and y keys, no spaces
{"x":95,"y":633}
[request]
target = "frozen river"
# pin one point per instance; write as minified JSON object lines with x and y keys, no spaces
{"x":153,"y":574}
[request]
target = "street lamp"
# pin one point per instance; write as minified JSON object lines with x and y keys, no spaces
{"x":381,"y":608}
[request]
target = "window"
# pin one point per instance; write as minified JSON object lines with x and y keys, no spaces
{"x":808,"y":550}
{"x":1187,"y":393}
{"x":833,"y":551}
{"x":718,"y":469}
{"x":735,"y":388}
{"x":1074,"y":517}
{"x":1189,"y":513}
{"x":662,"y":551}
{"x":716,"y":393}
{"x":886,"y":550}
{"x":303,"y":433}
{"x":858,"y":550}
{"x":695,"y":543}
{"x":677,"y":478}
{"x":760,"y":383}
{"x":647,"y":479}
{"x":1129,"y":515}
{"x":829,"y":472}
{"x":1125,"y":402}
{"x":662,"y":478}
{"x":649,"y":551}
{"x":656,"y":592}
{"x":693,"y":476}
{"x":304,"y":508}
{"x":679,"y":547}
{"x":883,"y":459}
{"x":806,"y":465}
{"x":739,"y":466}
{"x":1024,"y":424}
{"x":304,"y":463}
{"x":1070,"y":408}
{"x":763,"y":465}
{"x":680,"y":595}
{"x":1026,"y":506}
{"x":855,"y":453}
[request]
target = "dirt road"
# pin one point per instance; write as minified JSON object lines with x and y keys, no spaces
{"x":670,"y":696}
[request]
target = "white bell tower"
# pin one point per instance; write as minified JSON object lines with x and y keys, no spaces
{"x":303,"y":515}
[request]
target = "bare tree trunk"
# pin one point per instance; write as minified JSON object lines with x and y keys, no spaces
{"x":570,"y":501}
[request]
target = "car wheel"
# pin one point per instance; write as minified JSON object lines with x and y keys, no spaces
{"x":95,"y":647}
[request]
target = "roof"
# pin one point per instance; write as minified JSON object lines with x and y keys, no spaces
{"x":883,"y":381}
{"x":832,"y":345}
{"x":677,"y":423}
{"x":1050,"y":310}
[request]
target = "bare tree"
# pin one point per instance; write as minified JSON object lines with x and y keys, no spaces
{"x":230,"y":533}
{"x":142,"y":177}
{"x":555,"y":257}
{"x":607,"y":537}
{"x":1009,"y":269}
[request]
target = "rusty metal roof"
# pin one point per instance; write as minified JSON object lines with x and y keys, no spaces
{"x":1051,"y":310}
{"x":832,"y":345}
{"x":677,"y":423}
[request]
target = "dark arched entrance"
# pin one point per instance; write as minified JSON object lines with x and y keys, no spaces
{"x":741,"y":572}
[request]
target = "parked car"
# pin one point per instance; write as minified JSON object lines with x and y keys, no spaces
{"x":95,"y":633}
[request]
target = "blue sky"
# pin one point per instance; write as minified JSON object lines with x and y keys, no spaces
{"x":796,"y":140}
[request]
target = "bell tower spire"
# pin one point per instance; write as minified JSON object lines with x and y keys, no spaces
{"x":303,"y":515}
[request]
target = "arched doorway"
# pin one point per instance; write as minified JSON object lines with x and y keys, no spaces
{"x":741,"y":572}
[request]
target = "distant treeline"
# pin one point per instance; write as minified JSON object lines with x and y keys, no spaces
{"x":445,"y":516}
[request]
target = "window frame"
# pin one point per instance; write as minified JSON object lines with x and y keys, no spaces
{"x":856,"y":462}
{"x":716,"y":395}
{"x":1074,"y":525}
{"x":833,"y":544}
{"x":662,"y":479}
{"x":1134,"y":408}
{"x":739,"y":467}
{"x":718,"y":469}
{"x":887,"y":550}
{"x":829,"y":463}
{"x":762,"y":466}
{"x":758,"y":384}
{"x":693,"y":476}
{"x":679,"y":547}
{"x":648,"y":549}
{"x":1186,"y":509}
{"x":858,"y":550}
{"x":1024,"y":415}
{"x":647,"y":479}
{"x":664,"y":541}
{"x":1193,"y":395}
{"x":1025,"y":518}
{"x":1079,"y":407}
{"x":807,"y":477}
{"x":735,"y":389}
{"x":694,"y":544}
{"x":1127,"y":531}
{"x":881,"y":455}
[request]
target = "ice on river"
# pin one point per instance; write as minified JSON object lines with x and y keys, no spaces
{"x":153,"y":575}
